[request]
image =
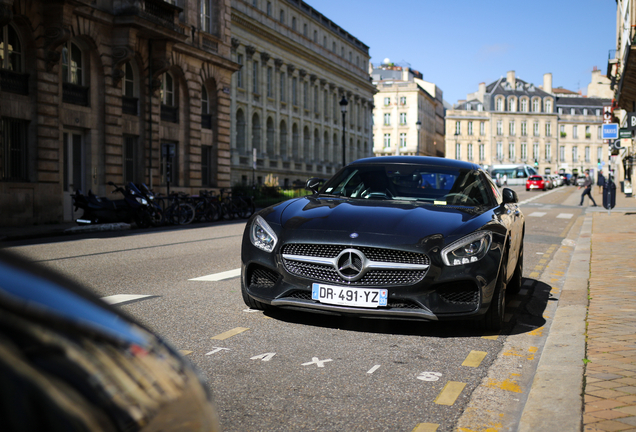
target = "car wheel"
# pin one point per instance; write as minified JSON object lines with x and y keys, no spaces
{"x":494,"y":318}
{"x":249,"y":301}
{"x":527,"y":189}
{"x":515,"y":283}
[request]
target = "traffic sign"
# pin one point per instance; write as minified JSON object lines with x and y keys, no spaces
{"x":610,"y":131}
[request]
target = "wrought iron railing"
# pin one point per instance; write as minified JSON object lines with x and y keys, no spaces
{"x":130,"y":105}
{"x":14,"y":82}
{"x":170,"y":114}
{"x":75,"y":94}
{"x":206,"y":121}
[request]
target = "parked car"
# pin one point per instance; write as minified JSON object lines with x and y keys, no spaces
{"x":567,"y":178}
{"x":394,"y":237}
{"x":537,"y":182}
{"x":548,"y":182}
{"x":580,"y":180}
{"x":556,"y":180}
{"x":69,"y":361}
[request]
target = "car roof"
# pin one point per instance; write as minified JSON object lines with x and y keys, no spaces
{"x":419,"y":160}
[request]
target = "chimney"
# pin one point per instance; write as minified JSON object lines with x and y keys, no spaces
{"x":482,"y":88}
{"x":510,"y":78}
{"x":547,"y":83}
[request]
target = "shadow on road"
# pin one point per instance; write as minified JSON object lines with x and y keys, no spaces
{"x":525,"y":317}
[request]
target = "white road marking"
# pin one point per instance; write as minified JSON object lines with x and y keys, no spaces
{"x":429,"y":376}
{"x":219,"y":276}
{"x":250,"y":310}
{"x":537,"y":214}
{"x":216,"y":350}
{"x":565,"y":216}
{"x":123,"y":298}
{"x":539,"y":195}
{"x":373,"y":369}
{"x":263,"y":357}
{"x":319,"y":363}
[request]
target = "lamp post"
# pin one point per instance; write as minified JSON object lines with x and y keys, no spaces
{"x":343,"y":108}
{"x":418,"y":126}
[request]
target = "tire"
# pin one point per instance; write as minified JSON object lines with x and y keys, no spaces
{"x":156,"y":217}
{"x":517,"y":278}
{"x":227,"y":210}
{"x":249,"y":301}
{"x":494,"y":317}
{"x":185,"y":213}
{"x":212,"y":214}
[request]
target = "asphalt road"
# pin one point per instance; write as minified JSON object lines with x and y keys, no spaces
{"x":291,"y":371}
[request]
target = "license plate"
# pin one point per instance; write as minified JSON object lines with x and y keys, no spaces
{"x":345,"y":296}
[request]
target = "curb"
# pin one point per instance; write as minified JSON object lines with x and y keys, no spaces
{"x":555,"y":399}
{"x":98,"y":228}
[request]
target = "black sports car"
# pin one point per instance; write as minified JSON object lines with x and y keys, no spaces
{"x":405,"y":237}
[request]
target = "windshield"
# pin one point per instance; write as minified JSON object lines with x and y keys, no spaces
{"x":436,"y":185}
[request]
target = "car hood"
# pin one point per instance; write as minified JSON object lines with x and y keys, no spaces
{"x":400,"y":219}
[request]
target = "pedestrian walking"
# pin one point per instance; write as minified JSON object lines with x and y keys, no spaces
{"x":587,"y":185}
{"x":505,"y":179}
{"x":600,"y":181}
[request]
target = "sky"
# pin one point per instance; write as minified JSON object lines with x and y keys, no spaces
{"x":458,"y":44}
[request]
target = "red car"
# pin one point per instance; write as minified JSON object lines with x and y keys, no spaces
{"x":536,"y":182}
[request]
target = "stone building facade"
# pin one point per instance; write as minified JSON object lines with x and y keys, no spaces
{"x":297,"y":65}
{"x":110,"y":90}
{"x":511,"y":121}
{"x":409,"y":113}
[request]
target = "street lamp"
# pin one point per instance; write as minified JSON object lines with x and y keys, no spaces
{"x":343,"y":108}
{"x":418,"y":126}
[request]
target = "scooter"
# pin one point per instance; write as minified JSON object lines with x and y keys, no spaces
{"x":99,"y":210}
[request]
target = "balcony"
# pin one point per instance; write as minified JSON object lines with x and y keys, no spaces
{"x":169,"y":114}
{"x":158,"y":17}
{"x":75,"y":94}
{"x":130,"y":105}
{"x":206,"y":121}
{"x":14,"y":82}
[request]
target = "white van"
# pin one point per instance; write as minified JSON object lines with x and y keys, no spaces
{"x":516,"y":174}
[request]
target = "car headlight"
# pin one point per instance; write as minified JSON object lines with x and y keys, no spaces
{"x":262,"y":235}
{"x":467,"y":250}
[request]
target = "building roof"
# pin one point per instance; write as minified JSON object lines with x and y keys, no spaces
{"x":501,"y":86}
{"x":582,"y":102}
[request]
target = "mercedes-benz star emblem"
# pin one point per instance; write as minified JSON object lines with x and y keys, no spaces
{"x":350,"y":264}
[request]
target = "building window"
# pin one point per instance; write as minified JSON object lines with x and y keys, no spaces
{"x":294,"y":23}
{"x":599,"y":132}
{"x":458,"y":128}
{"x":548,"y":106}
{"x":560,"y":110}
{"x":599,"y":154}
{"x":562,"y":153}
{"x":524,"y":105}
{"x":524,"y":151}
{"x":387,"y":101}
{"x":572,"y":111}
{"x":402,"y":119}
{"x":575,"y":154}
{"x":535,"y":129}
{"x":482,"y":152}
{"x":512,"y":105}
{"x":511,"y":128}
{"x":536,"y":105}
{"x":239,"y":73}
{"x":325,"y":103}
{"x":306,"y":95}
{"x":10,"y":50}
{"x":387,"y":141}
{"x":315,"y":36}
{"x":458,"y":151}
{"x":535,"y":152}
{"x":499,"y":151}
{"x":13,"y":150}
{"x":403,"y":140}
{"x":575,"y":132}
{"x":295,"y":91}
{"x":130,"y":158}
{"x":167,"y":90}
{"x":499,"y":104}
{"x":598,"y":113}
{"x":524,"y":128}
{"x":269,"y":8}
{"x":511,"y":151}
{"x":316,"y":100}
{"x":305,"y":30}
{"x":470,"y":151}
{"x":72,"y":65}
{"x":387,"y":119}
{"x":255,"y":77}
{"x":282,"y":16}
{"x":333,"y":46}
{"x":548,"y":152}
{"x":208,"y":17}
{"x":499,"y":127}
{"x":562,"y":131}
{"x":206,"y":118}
{"x":588,"y":132}
{"x":207,"y":179}
{"x":130,"y":101}
{"x":402,"y":100}
{"x":270,"y":90}
{"x":482,"y":128}
{"x":587,"y":153}
{"x":282,"y":87}
{"x":548,"y":129}
{"x":470,"y":128}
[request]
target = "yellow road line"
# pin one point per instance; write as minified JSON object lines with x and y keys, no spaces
{"x":493,"y":337}
{"x":426,"y":427}
{"x":185,"y":352}
{"x":475,"y":358}
{"x":450,"y":393}
{"x":230,"y":333}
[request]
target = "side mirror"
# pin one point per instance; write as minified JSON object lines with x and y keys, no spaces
{"x":314,"y":184}
{"x":509,"y":196}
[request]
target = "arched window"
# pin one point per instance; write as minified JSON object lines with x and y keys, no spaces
{"x":206,"y":111}
{"x":512,"y":105}
{"x":167,"y":90}
{"x":240,"y":132}
{"x":72,"y":64}
{"x":536,"y":105}
{"x":336,"y":150}
{"x":283,"y":140}
{"x":271,"y":146}
{"x":130,"y":91}
{"x":499,"y":104}
{"x":548,"y":105}
{"x":306,"y":143}
{"x":256,"y":132}
{"x":295,"y":143}
{"x":11,"y":50}
{"x":524,"y":105}
{"x":327,"y":148}
{"x":316,"y":146}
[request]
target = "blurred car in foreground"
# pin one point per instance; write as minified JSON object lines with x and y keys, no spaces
{"x":70,"y":362}
{"x":567,"y":178}
{"x":394,"y":237}
{"x":537,"y":182}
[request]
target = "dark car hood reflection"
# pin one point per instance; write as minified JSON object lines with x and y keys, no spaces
{"x":376,"y":216}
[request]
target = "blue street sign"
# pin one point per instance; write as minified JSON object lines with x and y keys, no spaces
{"x":610,"y":131}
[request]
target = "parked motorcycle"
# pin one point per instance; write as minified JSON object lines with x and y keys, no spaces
{"x":97,"y":210}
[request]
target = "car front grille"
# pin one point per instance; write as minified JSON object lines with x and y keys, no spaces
{"x":459,"y":293}
{"x":386,"y":276}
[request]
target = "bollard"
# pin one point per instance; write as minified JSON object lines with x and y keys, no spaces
{"x":609,"y":195}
